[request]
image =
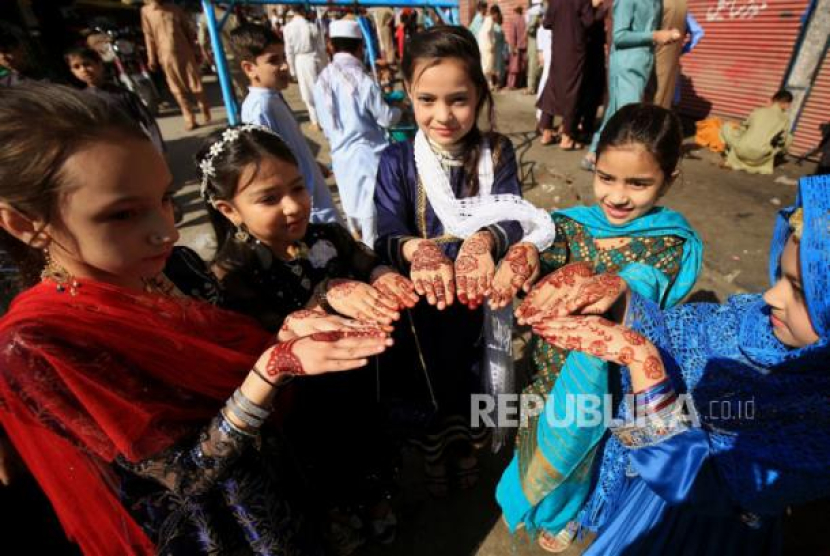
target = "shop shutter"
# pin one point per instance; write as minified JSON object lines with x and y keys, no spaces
{"x":742,"y":59}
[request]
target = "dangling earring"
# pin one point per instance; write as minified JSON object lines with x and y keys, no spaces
{"x":242,"y":234}
{"x":59,"y":275}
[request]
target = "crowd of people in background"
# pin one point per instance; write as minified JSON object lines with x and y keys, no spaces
{"x":258,"y":401}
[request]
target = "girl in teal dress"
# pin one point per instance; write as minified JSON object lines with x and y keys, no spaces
{"x":632,"y":57}
{"x":655,"y":251}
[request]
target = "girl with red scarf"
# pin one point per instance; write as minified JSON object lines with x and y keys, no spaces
{"x":113,"y":383}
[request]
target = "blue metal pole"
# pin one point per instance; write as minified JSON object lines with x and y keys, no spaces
{"x":455,"y":18}
{"x":221,"y":62}
{"x":369,"y":44}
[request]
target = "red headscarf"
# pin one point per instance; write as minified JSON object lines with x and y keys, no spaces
{"x":112,"y":372}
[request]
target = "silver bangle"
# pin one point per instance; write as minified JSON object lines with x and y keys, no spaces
{"x":239,"y":413}
{"x":250,"y":407}
{"x":227,"y":422}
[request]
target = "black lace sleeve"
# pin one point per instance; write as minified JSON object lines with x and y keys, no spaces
{"x":186,"y":269}
{"x":192,"y":468}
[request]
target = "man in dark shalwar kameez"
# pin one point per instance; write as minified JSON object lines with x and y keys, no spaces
{"x":574,"y":24}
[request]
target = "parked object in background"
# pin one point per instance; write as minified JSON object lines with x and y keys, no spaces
{"x":116,"y":48}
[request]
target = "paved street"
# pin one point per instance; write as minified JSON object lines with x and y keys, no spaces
{"x":732,"y":211}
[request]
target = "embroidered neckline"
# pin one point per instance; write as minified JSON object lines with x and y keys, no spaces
{"x":452,"y":156}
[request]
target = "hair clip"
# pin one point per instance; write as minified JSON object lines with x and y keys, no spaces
{"x":230,"y":135}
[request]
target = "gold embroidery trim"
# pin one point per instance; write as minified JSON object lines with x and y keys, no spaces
{"x":421,"y":219}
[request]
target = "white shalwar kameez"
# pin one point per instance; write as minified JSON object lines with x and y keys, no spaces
{"x":353,"y":116}
{"x":305,"y":53}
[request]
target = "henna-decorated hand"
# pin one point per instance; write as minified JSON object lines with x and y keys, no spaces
{"x":594,"y":296}
{"x":551,"y":288}
{"x":361,"y":301}
{"x":432,"y":273}
{"x":474,"y":269}
{"x":309,"y":321}
{"x":394,"y":286}
{"x":517,"y":271}
{"x":322,"y":352}
{"x":609,"y":341}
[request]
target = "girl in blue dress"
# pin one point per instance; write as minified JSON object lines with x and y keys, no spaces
{"x":727,"y":421}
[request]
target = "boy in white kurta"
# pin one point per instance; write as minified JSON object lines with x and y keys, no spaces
{"x":353,"y":115}
{"x":305,"y":52}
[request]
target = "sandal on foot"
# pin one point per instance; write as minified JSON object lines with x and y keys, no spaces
{"x":548,"y":137}
{"x":560,"y":542}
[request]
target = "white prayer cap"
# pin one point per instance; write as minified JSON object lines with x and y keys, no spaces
{"x":345,"y":29}
{"x":535,"y":2}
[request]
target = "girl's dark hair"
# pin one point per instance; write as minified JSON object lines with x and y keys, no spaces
{"x":249,"y":41}
{"x":657,"y":129}
{"x":249,"y":148}
{"x":41,"y":127}
{"x":495,"y":13}
{"x":446,"y":41}
{"x":84,"y":53}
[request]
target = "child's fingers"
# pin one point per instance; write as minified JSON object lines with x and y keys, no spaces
{"x":486,"y":285}
{"x":386,"y":299}
{"x":419,"y":287}
{"x":472,"y":290}
{"x":461,"y":290}
{"x":429,"y":291}
{"x":449,"y":287}
{"x":338,"y":365}
{"x":374,"y":311}
{"x":440,"y":290}
{"x":409,"y":297}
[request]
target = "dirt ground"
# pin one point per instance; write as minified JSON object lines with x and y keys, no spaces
{"x":733,"y":212}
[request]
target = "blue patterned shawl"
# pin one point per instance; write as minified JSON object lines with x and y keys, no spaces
{"x":726,"y":356}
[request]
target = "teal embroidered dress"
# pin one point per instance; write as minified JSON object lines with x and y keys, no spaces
{"x":659,"y":256}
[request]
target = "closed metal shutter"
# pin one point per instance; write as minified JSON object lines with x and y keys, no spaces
{"x":742,"y":59}
{"x":815,"y":112}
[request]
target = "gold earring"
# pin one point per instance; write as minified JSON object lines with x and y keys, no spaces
{"x":242,"y":234}
{"x":59,"y":275}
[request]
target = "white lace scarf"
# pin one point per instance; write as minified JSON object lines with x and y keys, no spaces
{"x":346,"y":70}
{"x":464,"y":217}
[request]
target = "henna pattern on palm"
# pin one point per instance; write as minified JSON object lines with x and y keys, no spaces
{"x":465,"y":264}
{"x":428,"y":257}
